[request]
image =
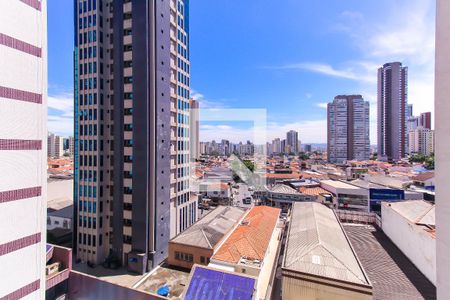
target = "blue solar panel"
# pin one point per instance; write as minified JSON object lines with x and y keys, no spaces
{"x":214,"y":285}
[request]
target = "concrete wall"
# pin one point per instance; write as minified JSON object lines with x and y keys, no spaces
{"x":442,"y":126}
{"x":417,"y":244}
{"x":23,"y":155}
{"x":86,"y":287}
{"x":295,"y":289}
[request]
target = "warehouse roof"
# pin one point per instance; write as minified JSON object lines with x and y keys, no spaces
{"x":209,"y":230}
{"x":317,"y":245}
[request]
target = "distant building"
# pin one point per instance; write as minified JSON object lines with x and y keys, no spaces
{"x":392,"y":111}
{"x":292,"y":141}
{"x":195,"y":129}
{"x":308,"y":148}
{"x":425,"y":120}
{"x":276,"y":146}
{"x":71,"y":146}
{"x":348,"y":129}
{"x":55,"y":145}
{"x":421,"y":140}
{"x":23,"y":133}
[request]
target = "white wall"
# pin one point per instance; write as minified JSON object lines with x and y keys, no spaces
{"x":417,"y":244}
{"x":442,"y":125}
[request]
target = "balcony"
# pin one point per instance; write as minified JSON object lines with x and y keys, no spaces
{"x":59,"y":265}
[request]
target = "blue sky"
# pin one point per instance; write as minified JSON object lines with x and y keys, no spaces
{"x":289,"y":57}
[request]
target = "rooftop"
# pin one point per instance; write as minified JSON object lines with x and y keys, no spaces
{"x":283,"y":189}
{"x":393,"y":276}
{"x":209,"y":230}
{"x":313,"y":191}
{"x":416,"y":211}
{"x":251,"y":238}
{"x":339,"y":184}
{"x":207,"y":283}
{"x":316,"y":244}
{"x":423,"y":176}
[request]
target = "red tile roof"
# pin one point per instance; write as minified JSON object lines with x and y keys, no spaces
{"x":251,"y":238}
{"x":423,"y":176}
{"x":313,"y":191}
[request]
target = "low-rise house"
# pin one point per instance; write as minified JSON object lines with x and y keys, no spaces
{"x":425,"y":180}
{"x":319,"y":261}
{"x":216,"y":190}
{"x":198,"y":243}
{"x":252,"y":248}
{"x":282,"y":196}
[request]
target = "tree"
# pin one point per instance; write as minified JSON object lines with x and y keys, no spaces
{"x":429,"y":162}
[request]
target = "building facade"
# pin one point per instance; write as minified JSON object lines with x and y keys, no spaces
{"x":23,"y":148}
{"x":421,"y":140}
{"x":195,"y":129}
{"x":393,"y":111}
{"x":425,"y":120}
{"x":348,"y":129}
{"x":131,"y":130}
{"x":442,"y":108}
{"x":292,"y":142}
{"x":55,"y":145}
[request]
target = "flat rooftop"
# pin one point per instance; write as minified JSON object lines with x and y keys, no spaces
{"x":175,"y":279}
{"x":339,"y":184}
{"x":209,"y":230}
{"x":392,"y":274}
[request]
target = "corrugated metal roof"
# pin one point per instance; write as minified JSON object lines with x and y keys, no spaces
{"x":416,"y":211}
{"x":283,"y":189}
{"x":317,"y":245}
{"x":209,"y":230}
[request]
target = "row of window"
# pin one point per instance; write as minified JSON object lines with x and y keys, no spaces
{"x":183,"y":92}
{"x":182,"y":145}
{"x":87,"y":191}
{"x":89,"y":176}
{"x":89,"y":21}
{"x":90,"y":68}
{"x":88,"y":145}
{"x":89,"y":240}
{"x":183,"y":65}
{"x":90,"y":83}
{"x":184,"y":256}
{"x":89,"y":52}
{"x":88,"y":5}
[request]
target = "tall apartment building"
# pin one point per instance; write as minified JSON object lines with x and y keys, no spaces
{"x":131,"y":130}
{"x":23,"y":148}
{"x":195,"y":129}
{"x":276,"y":146}
{"x":393,"y":111}
{"x":348,"y":129}
{"x":71,"y":145}
{"x":442,"y":125}
{"x":425,"y":120}
{"x":55,"y":145}
{"x":292,"y":141}
{"x":421,"y":140}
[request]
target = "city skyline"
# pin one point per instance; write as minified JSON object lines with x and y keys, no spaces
{"x":302,"y":82}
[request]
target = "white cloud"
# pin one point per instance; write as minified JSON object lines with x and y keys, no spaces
{"x":322,"y":105}
{"x":206,"y":103}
